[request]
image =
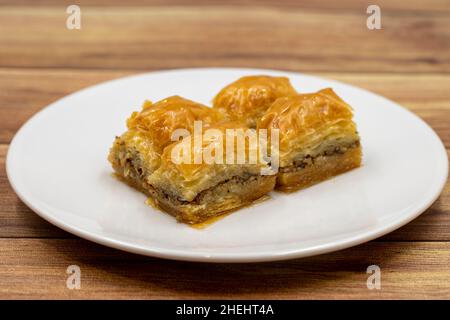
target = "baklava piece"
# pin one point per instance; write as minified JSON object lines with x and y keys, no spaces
{"x":192,"y":190}
{"x":137,"y":153}
{"x":249,"y":97}
{"x":317,"y":138}
{"x":194,"y":193}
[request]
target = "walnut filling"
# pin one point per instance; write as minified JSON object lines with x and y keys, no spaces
{"x":309,"y":160}
{"x":132,"y":169}
{"x":221,"y":189}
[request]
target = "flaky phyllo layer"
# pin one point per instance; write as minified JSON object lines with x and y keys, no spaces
{"x":317,"y":138}
{"x":310,"y":125}
{"x":199,"y":162}
{"x":157,"y":121}
{"x":209,"y":152}
{"x":196,"y":162}
{"x":249,"y":97}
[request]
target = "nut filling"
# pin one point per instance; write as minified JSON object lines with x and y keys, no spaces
{"x":309,"y":160}
{"x":132,"y":169}
{"x":223,"y":188}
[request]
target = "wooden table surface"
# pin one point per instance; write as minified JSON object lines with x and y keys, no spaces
{"x":408,"y":61}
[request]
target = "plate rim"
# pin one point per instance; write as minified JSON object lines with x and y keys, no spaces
{"x":199,"y":256}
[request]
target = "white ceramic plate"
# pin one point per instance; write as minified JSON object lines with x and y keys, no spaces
{"x":57,"y":165}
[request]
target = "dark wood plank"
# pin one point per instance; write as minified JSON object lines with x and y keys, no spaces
{"x":156,"y":37}
{"x":408,"y":270}
{"x":41,"y":61}
{"x":18,"y":221}
{"x":412,"y":6}
{"x":26,"y":91}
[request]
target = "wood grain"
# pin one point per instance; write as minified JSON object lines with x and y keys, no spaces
{"x":18,"y":221}
{"x":253,"y":36}
{"x":414,"y":6}
{"x":41,"y":61}
{"x":26,"y":91}
{"x":408,"y":270}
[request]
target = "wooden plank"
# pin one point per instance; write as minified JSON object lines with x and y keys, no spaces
{"x":41,"y":61}
{"x":424,"y":94}
{"x":18,"y":221}
{"x":26,"y":91}
{"x":438,"y":6}
{"x":408,"y":270}
{"x":167,"y":37}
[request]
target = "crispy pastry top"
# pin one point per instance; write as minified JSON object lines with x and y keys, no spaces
{"x":249,"y":97}
{"x":307,"y":121}
{"x":159,"y":120}
{"x":187,"y":179}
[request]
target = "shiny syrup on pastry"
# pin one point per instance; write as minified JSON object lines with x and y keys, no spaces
{"x":208,"y":222}
{"x":202,"y":225}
